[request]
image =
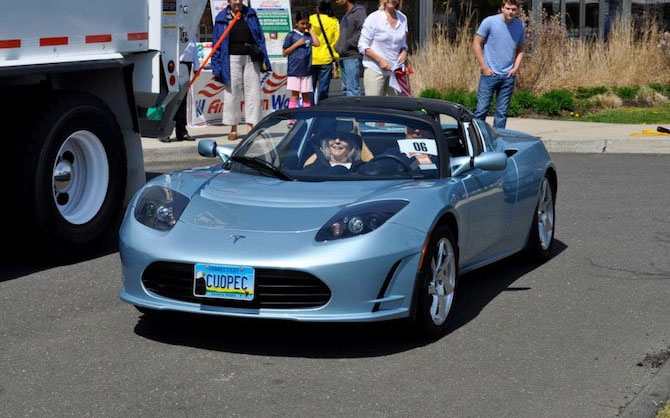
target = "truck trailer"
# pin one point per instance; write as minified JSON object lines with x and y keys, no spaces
{"x":73,"y":74}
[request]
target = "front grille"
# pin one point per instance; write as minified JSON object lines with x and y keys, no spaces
{"x":275,"y":289}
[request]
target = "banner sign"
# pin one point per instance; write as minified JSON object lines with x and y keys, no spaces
{"x":205,"y":100}
{"x":275,"y":18}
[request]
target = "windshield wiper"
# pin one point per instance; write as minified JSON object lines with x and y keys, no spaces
{"x":257,"y":163}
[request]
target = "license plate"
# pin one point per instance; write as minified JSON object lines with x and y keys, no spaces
{"x":223,"y":282}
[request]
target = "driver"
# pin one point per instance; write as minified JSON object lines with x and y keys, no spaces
{"x":340,"y":149}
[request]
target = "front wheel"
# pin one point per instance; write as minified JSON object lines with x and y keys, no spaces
{"x":437,"y":283}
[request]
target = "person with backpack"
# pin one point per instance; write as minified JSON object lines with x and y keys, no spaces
{"x":324,"y":57}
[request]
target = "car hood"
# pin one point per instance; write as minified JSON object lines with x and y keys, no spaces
{"x":245,"y":202}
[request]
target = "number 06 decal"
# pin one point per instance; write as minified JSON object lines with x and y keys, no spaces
{"x":417,"y":146}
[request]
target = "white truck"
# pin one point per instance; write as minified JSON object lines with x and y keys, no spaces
{"x":73,"y":74}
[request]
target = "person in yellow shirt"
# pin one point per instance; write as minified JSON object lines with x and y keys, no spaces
{"x":327,"y":30}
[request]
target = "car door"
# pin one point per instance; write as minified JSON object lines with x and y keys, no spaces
{"x":491,"y":196}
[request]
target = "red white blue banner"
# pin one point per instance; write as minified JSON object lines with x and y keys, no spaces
{"x":205,"y":101}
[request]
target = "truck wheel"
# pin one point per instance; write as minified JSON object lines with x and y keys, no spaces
{"x":75,"y":166}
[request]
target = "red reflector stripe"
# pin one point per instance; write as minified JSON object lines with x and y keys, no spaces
{"x":10,"y":43}
{"x":97,"y":39}
{"x":140,"y":36}
{"x":62,"y":40}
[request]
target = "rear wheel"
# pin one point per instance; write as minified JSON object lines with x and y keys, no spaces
{"x":541,"y":239}
{"x":75,"y":171}
{"x":437,"y":283}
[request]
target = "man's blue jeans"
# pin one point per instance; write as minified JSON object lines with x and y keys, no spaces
{"x":503,"y":86}
{"x":321,"y":81}
{"x":350,"y":70}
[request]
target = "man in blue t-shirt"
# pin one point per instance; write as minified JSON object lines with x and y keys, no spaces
{"x":503,"y":36}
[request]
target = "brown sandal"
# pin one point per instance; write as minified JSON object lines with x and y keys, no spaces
{"x":232,"y":136}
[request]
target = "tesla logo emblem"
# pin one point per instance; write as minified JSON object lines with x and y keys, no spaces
{"x":237,"y":238}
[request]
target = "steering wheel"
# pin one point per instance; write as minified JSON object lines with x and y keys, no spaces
{"x":366,"y":168}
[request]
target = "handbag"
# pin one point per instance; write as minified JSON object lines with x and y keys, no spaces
{"x":336,"y":65}
{"x":256,"y":54}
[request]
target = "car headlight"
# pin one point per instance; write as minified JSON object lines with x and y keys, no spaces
{"x":160,"y":208}
{"x":359,"y":219}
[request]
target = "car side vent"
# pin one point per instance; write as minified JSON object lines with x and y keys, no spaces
{"x":510,"y":152}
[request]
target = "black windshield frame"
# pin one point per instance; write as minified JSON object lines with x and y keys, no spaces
{"x":367,"y":113}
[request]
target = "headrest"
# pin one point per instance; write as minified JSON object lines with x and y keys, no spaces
{"x":344,"y":125}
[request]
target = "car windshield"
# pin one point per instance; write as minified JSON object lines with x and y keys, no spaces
{"x":328,"y":145}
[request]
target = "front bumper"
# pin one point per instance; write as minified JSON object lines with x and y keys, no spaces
{"x":354,"y":269}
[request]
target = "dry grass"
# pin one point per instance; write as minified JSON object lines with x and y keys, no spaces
{"x":552,"y":60}
{"x":649,"y":96}
{"x":443,"y":64}
{"x":607,"y":100}
{"x":664,"y":411}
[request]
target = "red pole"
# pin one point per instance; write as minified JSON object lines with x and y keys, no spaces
{"x":204,"y":63}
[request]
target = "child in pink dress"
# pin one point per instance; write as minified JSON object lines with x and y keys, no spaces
{"x":298,"y":47}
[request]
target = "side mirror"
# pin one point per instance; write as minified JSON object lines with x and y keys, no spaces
{"x":492,"y":161}
{"x":208,"y":148}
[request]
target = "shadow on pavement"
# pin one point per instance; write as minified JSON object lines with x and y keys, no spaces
{"x":324,"y":340}
{"x":22,"y":259}
{"x":478,"y":288}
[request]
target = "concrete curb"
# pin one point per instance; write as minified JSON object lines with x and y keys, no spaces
{"x":609,"y":146}
{"x":647,"y":402}
{"x":184,"y":152}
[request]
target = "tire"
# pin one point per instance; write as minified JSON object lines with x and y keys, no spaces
{"x":541,"y":238}
{"x":74,"y":174}
{"x":436,"y":292}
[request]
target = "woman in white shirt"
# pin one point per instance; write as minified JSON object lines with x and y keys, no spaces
{"x":383,"y":43}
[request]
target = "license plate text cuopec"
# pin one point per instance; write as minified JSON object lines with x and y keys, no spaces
{"x":224,"y":282}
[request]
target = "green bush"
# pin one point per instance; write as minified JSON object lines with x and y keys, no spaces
{"x":548,"y":106}
{"x":431,"y":93}
{"x":588,"y":92}
{"x":583,"y":105}
{"x":555,"y":101}
{"x":515,"y":108}
{"x":627,"y":93}
{"x":456,"y":96}
{"x":470,"y":100}
{"x":657,"y":87}
{"x":661,"y":88}
{"x":525,"y":99}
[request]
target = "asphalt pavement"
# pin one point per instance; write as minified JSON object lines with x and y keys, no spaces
{"x":573,"y":337}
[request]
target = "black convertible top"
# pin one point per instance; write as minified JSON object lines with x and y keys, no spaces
{"x":455,"y":110}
